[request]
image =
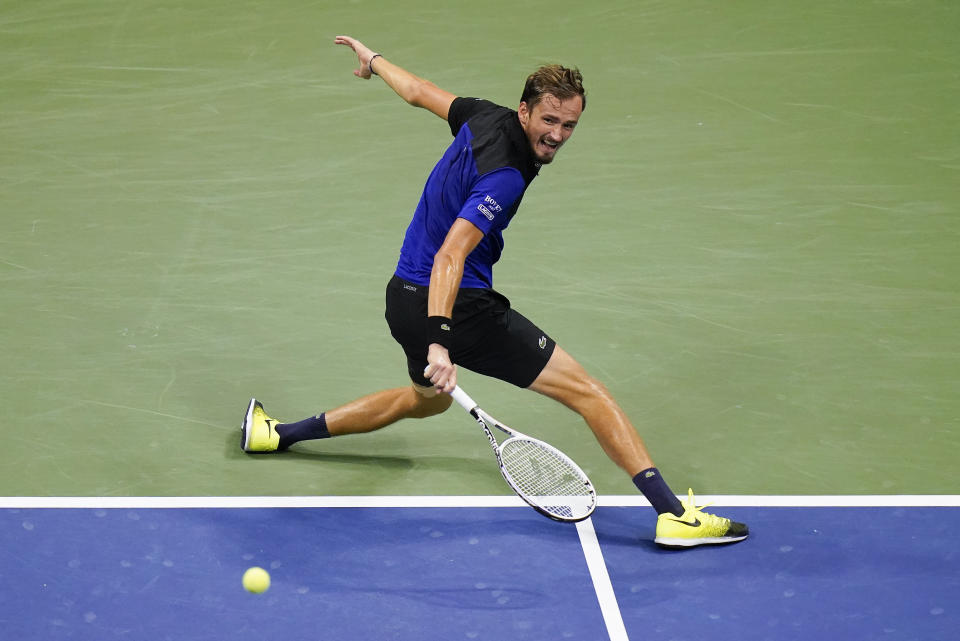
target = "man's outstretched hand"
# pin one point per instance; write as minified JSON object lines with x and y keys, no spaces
{"x":363,"y":55}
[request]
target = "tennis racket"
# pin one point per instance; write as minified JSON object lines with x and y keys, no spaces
{"x":539,"y":473}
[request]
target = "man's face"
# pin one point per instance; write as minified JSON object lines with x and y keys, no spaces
{"x":549,"y":124}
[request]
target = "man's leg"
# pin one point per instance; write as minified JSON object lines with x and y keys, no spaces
{"x":261,"y":433}
{"x":565,"y":380}
{"x":384,"y":408}
{"x":679,"y":524}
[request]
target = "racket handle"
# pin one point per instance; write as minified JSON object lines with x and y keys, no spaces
{"x":463,"y":399}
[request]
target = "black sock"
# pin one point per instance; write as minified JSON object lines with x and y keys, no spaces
{"x":308,"y":428}
{"x":652,"y":485}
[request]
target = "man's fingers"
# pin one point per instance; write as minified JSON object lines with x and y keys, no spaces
{"x":439,"y":370}
{"x":356,"y":45}
{"x":444,"y":379}
{"x":450,"y":383}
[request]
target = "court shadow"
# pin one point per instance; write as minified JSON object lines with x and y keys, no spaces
{"x":631,"y":527}
{"x":454,"y":465}
{"x":233,"y":450}
{"x":374,"y":460}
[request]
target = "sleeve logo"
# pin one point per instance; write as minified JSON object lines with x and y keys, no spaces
{"x":489,"y":207}
{"x":494,"y":205}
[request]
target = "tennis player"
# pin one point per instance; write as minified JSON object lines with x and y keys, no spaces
{"x":440,"y":303}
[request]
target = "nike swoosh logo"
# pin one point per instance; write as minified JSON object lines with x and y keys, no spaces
{"x":696,"y":523}
{"x":270,"y":422}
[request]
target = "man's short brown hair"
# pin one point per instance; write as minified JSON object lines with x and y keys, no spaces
{"x":556,"y":80}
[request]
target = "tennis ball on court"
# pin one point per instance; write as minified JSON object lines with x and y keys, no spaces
{"x":256,"y":580}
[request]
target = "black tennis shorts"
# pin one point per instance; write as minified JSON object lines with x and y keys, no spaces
{"x":489,"y":337}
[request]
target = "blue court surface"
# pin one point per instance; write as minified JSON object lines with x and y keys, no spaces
{"x":137,"y":569}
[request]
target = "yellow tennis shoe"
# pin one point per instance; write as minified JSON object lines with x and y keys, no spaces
{"x":696,"y":527}
{"x":259,"y":434}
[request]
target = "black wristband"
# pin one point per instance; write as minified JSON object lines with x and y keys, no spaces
{"x":370,"y":64}
{"x":439,"y":331}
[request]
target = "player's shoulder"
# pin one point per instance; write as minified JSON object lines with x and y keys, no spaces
{"x":474,"y":105}
{"x":464,"y":109}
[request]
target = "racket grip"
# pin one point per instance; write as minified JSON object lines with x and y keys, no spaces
{"x":463,"y":399}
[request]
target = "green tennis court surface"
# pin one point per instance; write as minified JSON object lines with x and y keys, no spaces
{"x":752,"y":239}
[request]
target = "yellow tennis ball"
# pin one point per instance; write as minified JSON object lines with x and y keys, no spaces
{"x":256,"y":580}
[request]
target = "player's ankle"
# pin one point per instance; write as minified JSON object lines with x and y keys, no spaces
{"x":651,"y":484}
{"x":308,"y":429}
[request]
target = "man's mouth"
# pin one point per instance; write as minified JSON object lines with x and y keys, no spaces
{"x":549,"y":146}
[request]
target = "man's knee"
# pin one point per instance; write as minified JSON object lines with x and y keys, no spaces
{"x":580,"y":390}
{"x":565,"y":380}
{"x":429,"y":402}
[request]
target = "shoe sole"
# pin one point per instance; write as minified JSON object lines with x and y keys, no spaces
{"x":247,"y":420}
{"x":679,"y":544}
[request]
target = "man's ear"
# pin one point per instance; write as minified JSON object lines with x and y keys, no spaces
{"x":524,"y":114}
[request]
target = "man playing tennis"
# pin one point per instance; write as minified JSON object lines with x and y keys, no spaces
{"x":443,"y":311}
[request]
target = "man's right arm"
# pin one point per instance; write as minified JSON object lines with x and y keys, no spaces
{"x":445,"y":278}
{"x":416,"y":91}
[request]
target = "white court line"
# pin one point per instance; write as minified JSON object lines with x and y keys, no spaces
{"x":892,"y":500}
{"x":258,"y":501}
{"x":601,"y":581}
{"x":847,"y":500}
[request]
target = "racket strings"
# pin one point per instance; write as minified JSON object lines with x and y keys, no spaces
{"x":547,"y":478}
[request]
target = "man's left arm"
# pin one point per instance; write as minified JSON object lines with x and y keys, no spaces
{"x":413,"y":89}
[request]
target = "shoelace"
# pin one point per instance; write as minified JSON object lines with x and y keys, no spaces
{"x":690,"y":506}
